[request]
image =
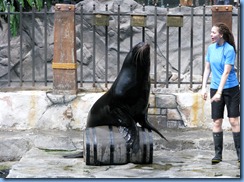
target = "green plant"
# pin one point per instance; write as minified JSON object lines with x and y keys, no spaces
{"x":13,"y":6}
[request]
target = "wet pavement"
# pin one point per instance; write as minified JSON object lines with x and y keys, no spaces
{"x":187,"y":155}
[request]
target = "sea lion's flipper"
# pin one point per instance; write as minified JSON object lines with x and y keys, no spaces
{"x":128,"y":128}
{"x":135,"y":140}
{"x":131,"y":137}
{"x":77,"y":155}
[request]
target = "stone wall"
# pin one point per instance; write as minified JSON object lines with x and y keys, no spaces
{"x":164,"y":111}
{"x":177,"y":110}
{"x":24,"y":110}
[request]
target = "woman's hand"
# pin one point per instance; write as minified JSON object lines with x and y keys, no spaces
{"x":204,"y":94}
{"x":216,"y":97}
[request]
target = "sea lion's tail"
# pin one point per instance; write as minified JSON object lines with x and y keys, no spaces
{"x":150,"y":127}
{"x":160,"y":134}
{"x":143,"y":121}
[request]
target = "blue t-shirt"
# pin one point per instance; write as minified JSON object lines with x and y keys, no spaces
{"x":218,"y":56}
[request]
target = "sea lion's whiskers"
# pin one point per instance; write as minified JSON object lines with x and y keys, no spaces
{"x":139,"y":54}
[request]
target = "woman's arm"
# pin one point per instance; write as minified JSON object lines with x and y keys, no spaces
{"x":206,"y":74}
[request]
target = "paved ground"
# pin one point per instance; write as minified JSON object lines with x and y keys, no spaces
{"x":187,"y":155}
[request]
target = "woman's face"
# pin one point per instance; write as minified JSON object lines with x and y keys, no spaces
{"x":215,"y":35}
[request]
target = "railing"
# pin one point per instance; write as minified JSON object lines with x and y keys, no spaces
{"x":157,"y":58}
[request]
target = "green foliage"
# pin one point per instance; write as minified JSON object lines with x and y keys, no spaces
{"x":14,"y":6}
{"x":2,"y":6}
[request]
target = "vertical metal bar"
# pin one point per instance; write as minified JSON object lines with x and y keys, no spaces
{"x":106,"y":53}
{"x":179,"y":56}
{"x":45,"y":40}
{"x":21,"y":42}
{"x":238,"y":41}
{"x":203,"y":37}
{"x":167,"y":53}
{"x":131,"y":30}
{"x":81,"y":46}
{"x":179,"y":52}
{"x":94,"y":51}
{"x":155,"y":46}
{"x":143,"y":28}
{"x":118,"y":42}
{"x":191,"y":49}
{"x":9,"y":55}
{"x":33,"y":44}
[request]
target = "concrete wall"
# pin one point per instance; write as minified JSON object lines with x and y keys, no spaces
{"x":22,"y":110}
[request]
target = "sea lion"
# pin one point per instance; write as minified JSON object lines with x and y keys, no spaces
{"x":126,"y":103}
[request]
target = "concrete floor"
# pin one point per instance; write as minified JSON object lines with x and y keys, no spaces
{"x":187,"y":155}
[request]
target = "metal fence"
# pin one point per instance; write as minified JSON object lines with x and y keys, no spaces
{"x":9,"y":82}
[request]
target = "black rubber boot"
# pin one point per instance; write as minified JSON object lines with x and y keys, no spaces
{"x":218,"y":147}
{"x":237,"y":141}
